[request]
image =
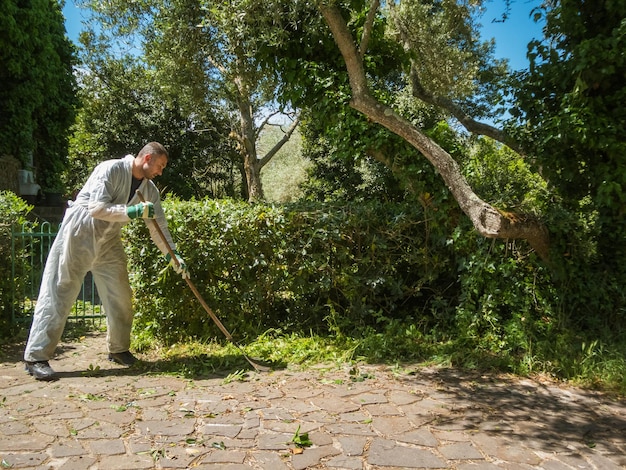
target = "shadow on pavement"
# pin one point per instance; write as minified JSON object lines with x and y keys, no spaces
{"x":537,"y":414}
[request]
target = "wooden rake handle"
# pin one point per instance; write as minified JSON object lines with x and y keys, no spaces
{"x":189,"y":282}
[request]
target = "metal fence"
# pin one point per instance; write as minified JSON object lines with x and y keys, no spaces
{"x":30,"y":245}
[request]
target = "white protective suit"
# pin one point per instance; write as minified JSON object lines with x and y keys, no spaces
{"x":89,"y":239}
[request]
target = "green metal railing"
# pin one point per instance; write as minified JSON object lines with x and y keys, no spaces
{"x":30,"y":245}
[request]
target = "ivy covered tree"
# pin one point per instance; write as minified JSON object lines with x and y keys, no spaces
{"x":572,"y":101}
{"x":38,"y":92}
{"x":571,"y":105}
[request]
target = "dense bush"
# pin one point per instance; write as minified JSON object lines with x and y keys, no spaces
{"x":387,"y":281}
{"x":345,"y":270}
{"x":293,"y":267}
{"x":13,"y":210}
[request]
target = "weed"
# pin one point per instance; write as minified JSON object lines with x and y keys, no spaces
{"x":92,"y":371}
{"x":357,"y":376}
{"x":237,"y":376}
{"x":91,"y":397}
{"x":301,"y":439}
{"x":156,"y":454}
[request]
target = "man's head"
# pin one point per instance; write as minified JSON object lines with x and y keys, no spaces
{"x":150,"y":161}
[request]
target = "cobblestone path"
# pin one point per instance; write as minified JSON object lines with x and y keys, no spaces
{"x":370,"y":417}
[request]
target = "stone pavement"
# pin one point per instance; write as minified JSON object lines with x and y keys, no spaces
{"x":364,"y":417}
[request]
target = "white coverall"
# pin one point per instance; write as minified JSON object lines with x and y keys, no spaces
{"x":89,"y":239}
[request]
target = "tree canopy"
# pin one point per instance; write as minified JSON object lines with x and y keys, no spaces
{"x":402,"y":66}
{"x":38,"y":93}
{"x":571,"y":115}
{"x":206,"y":52}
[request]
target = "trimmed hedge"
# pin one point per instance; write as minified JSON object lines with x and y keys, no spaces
{"x":340,"y":269}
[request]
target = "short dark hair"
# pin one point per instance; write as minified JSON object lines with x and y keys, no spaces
{"x":153,"y":147}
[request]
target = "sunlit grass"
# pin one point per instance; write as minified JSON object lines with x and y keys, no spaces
{"x":592,"y":366}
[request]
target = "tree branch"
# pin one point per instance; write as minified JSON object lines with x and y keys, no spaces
{"x":487,"y":220}
{"x":455,"y":110}
{"x":265,"y":122}
{"x":268,"y":156}
{"x":367,"y":27}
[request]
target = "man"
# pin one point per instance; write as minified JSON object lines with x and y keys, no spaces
{"x":89,"y":239}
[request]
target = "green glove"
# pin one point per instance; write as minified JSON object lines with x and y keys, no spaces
{"x":145,"y":210}
{"x":179,"y":264}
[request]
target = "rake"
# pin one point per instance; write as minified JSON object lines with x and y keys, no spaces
{"x":254,"y":363}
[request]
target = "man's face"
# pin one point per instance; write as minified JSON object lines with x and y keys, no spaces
{"x":154,"y":165}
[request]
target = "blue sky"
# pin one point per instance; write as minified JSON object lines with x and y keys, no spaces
{"x":73,"y":19}
{"x":511,"y":36}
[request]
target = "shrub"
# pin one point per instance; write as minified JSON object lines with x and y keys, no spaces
{"x":388,"y":281}
{"x":341,"y":269}
{"x":13,"y":211}
{"x":297,"y":267}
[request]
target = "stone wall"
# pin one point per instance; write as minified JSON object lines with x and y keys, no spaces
{"x":8,"y":173}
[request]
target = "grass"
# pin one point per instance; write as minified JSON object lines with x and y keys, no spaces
{"x":595,"y":364}
{"x":592,"y":365}
{"x":193,"y":359}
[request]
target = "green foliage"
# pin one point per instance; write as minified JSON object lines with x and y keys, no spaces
{"x":13,"y":211}
{"x":202,"y":86}
{"x":301,"y":439}
{"x":376,"y":282}
{"x":571,"y":99}
{"x":37,"y":96}
{"x":410,"y":279}
{"x":356,"y":160}
{"x":506,"y":303}
{"x":503,"y":177}
{"x":310,"y":267}
{"x":125,"y":105}
{"x":354,"y":271}
{"x":449,"y":59}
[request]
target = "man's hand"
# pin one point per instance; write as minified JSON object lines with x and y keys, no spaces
{"x":178,"y":264}
{"x":145,"y":210}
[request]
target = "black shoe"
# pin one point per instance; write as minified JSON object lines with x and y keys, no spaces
{"x":41,"y":370}
{"x":125,"y":358}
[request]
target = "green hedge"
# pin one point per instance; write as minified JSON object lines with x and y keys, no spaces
{"x":340,"y":269}
{"x":13,"y":210}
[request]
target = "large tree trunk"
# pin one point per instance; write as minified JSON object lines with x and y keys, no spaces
{"x":488,"y":221}
{"x":251,"y":164}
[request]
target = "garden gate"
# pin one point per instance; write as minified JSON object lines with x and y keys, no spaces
{"x":30,"y":245}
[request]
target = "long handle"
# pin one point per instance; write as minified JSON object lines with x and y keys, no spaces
{"x":191,"y":284}
{"x":256,"y":365}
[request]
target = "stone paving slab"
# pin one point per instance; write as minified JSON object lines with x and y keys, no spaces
{"x":122,"y":419}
